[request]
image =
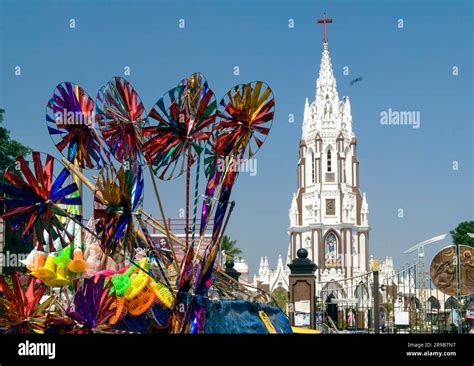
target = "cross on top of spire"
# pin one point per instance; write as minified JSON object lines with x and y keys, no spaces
{"x":325,"y":21}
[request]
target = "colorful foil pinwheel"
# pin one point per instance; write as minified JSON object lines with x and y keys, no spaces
{"x":93,"y":305}
{"x":244,"y":119}
{"x":70,"y":118}
{"x":20,"y":308}
{"x":183,"y":117}
{"x":35,"y":201}
{"x":122,"y":193}
{"x":121,"y":117}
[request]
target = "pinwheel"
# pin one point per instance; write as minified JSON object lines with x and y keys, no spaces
{"x":70,"y":118}
{"x":121,"y":117}
{"x":183,"y":118}
{"x":20,"y":307}
{"x":93,"y":306}
{"x":244,"y":119}
{"x":35,"y":200}
{"x":121,"y":196}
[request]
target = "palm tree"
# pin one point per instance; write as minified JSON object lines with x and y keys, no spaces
{"x":229,"y":247}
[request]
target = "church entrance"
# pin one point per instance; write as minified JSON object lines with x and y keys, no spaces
{"x":331,"y":308}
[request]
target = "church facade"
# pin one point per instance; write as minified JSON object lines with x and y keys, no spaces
{"x":329,"y":213}
{"x":329,"y":218}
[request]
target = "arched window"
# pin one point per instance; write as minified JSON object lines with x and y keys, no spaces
{"x":309,"y":167}
{"x":348,"y":167}
{"x":450,"y":303}
{"x":362,"y":295}
{"x":329,"y":160}
{"x":434,"y":303}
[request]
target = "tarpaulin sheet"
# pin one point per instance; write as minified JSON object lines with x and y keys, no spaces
{"x":237,"y":316}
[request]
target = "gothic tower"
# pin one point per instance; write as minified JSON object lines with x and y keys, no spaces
{"x":328,"y":214}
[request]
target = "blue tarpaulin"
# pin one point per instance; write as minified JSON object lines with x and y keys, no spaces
{"x":237,"y":316}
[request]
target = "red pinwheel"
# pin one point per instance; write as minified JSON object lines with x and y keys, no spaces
{"x":121,"y":196}
{"x":183,"y":125}
{"x":70,"y":118}
{"x":20,"y":307}
{"x":121,"y":117}
{"x":35,"y":200}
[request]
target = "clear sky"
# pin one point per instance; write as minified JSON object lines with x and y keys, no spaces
{"x":407,"y":69}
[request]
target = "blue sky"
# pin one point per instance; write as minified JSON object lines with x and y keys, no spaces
{"x":403,"y":69}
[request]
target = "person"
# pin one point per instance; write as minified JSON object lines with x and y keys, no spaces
{"x":163,"y":243}
{"x":350,"y":319}
{"x":382,"y":320}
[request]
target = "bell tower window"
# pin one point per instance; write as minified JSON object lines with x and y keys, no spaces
{"x":329,"y":161}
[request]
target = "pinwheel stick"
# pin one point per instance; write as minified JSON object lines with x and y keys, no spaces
{"x":201,"y":239}
{"x":77,"y":172}
{"x":188,"y":178}
{"x":158,"y":226}
{"x":80,"y":186}
{"x":163,"y":217}
{"x":100,"y":197}
{"x":154,"y":223}
{"x":65,"y":213}
{"x":221,"y":236}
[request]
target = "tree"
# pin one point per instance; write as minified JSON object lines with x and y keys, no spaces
{"x":229,"y":247}
{"x":460,"y":236}
{"x":280,"y":297}
{"x":9,"y":150}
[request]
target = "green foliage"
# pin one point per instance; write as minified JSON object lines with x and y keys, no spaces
{"x":389,"y":307}
{"x":460,"y":236}
{"x":230,"y":248}
{"x":9,"y":150}
{"x":342,"y":324}
{"x":281,"y":298}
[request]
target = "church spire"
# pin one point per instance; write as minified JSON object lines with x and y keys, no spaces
{"x":306,"y":111}
{"x":326,"y":83}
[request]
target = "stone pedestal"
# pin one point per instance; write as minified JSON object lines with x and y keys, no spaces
{"x":302,"y":286}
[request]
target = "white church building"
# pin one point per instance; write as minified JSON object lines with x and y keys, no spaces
{"x":328,"y":213}
{"x":329,"y":218}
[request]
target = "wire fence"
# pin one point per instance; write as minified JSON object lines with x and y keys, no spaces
{"x":405,"y":305}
